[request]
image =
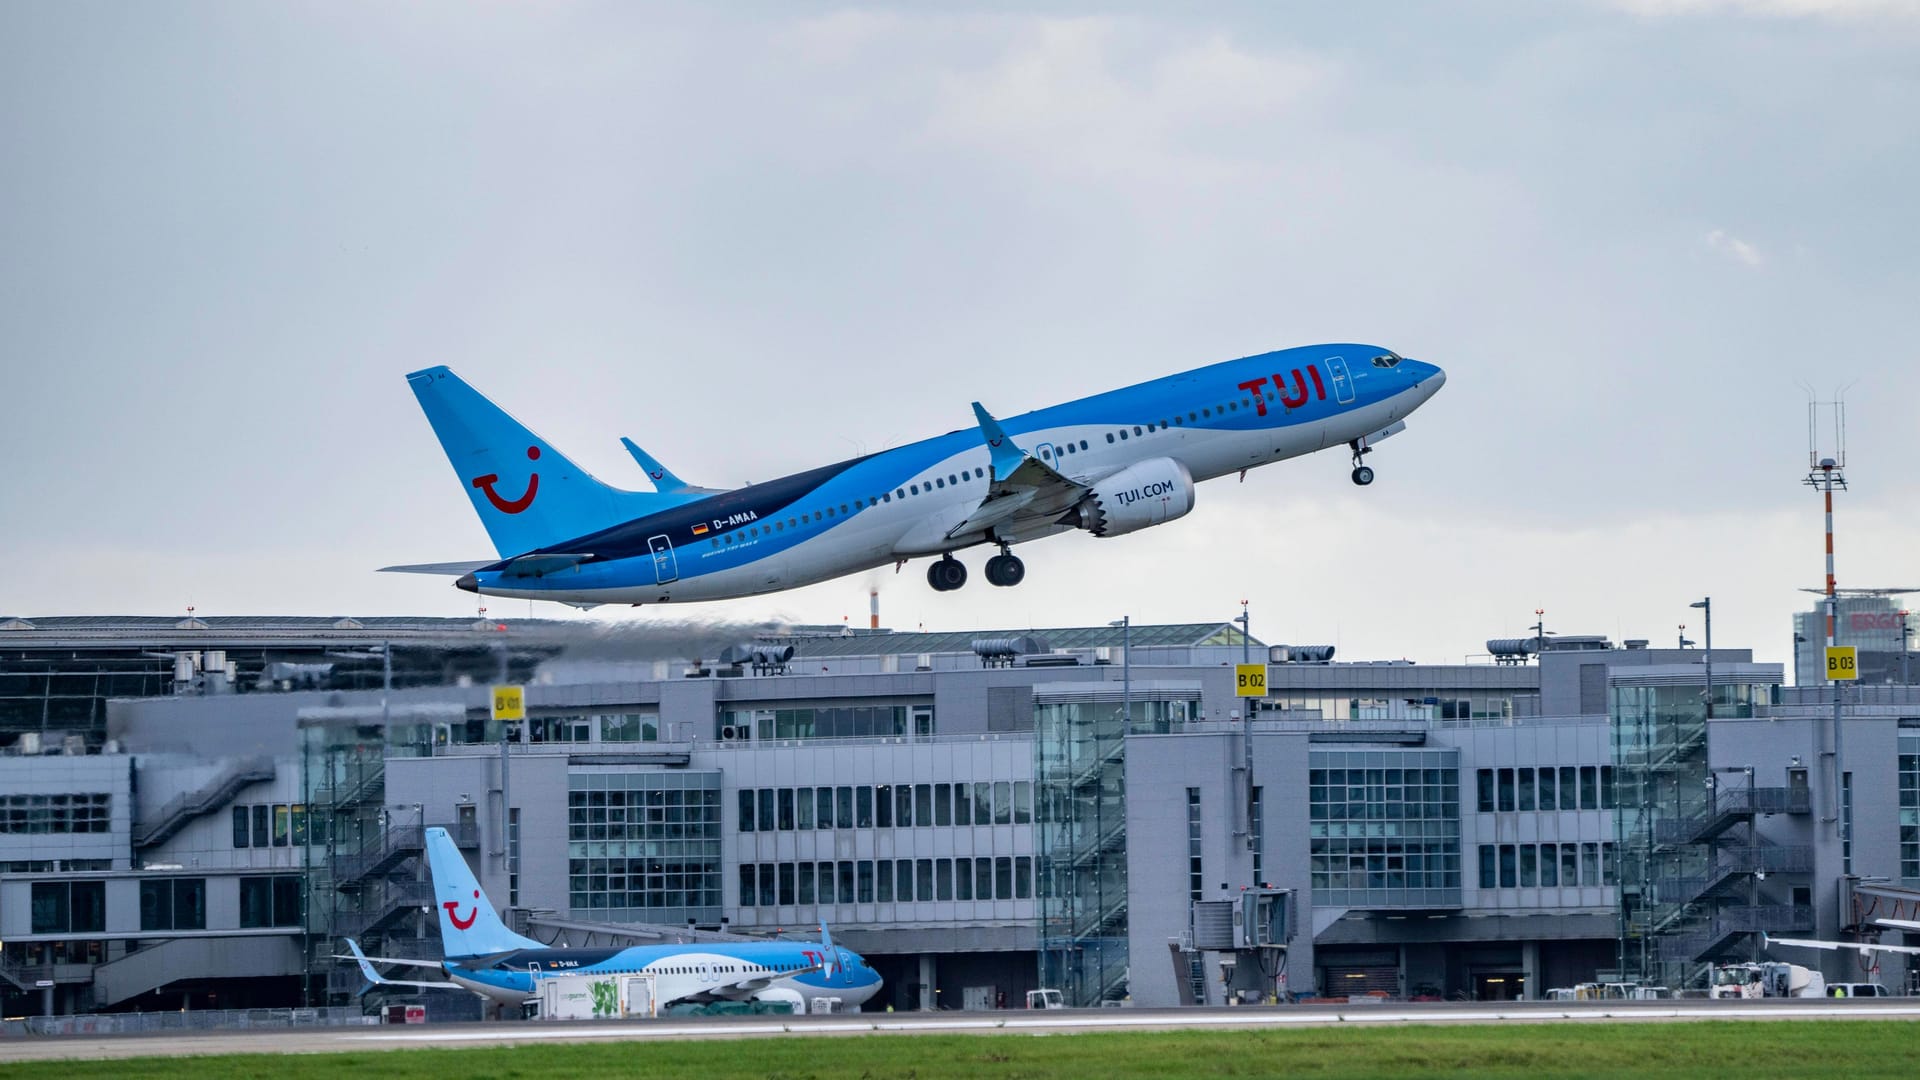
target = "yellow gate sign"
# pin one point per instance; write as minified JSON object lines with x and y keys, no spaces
{"x":1842,"y":663}
{"x":1250,"y":680}
{"x":509,"y":703}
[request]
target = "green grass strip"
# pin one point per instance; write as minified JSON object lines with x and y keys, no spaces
{"x":1824,"y":1049}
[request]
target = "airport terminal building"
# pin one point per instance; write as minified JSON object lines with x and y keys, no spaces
{"x":979,"y":814}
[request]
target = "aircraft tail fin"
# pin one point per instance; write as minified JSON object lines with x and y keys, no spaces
{"x":528,"y":494}
{"x":469,"y":926}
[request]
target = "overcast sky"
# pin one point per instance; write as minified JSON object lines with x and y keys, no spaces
{"x":762,"y":237}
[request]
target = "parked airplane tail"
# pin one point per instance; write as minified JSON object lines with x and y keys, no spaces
{"x":528,"y":494}
{"x":468,"y":924}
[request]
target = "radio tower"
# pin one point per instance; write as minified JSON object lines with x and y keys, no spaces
{"x":1827,"y":473}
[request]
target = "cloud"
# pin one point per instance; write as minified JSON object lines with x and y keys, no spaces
{"x":1853,"y":10}
{"x":1728,"y":244}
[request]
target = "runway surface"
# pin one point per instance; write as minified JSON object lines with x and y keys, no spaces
{"x":1016,"y":1022}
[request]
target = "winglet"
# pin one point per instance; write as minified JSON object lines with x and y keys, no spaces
{"x":826,"y":938}
{"x":1006,"y":456}
{"x":662,"y":477}
{"x":366,"y":966}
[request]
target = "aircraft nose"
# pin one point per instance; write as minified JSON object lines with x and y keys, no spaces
{"x":1430,"y":379}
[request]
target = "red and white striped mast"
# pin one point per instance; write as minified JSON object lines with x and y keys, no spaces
{"x":1828,"y":473}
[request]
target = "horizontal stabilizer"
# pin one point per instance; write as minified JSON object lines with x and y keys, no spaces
{"x":439,"y":569}
{"x":374,"y":978}
{"x":535,"y":566}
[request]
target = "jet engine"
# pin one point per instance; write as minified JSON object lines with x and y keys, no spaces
{"x":786,"y":994}
{"x":1149,"y":493}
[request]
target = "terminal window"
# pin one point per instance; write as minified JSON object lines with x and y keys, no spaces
{"x":63,"y":813}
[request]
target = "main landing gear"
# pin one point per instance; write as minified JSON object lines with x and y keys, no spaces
{"x":946,"y":575}
{"x":949,"y":573}
{"x":1006,"y":569}
{"x":1362,"y":474}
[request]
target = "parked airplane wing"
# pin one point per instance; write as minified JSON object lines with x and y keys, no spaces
{"x":742,"y":989}
{"x":1831,"y":946}
{"x":1025,"y":490}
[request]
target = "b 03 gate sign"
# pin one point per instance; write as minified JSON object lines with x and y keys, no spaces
{"x":1250,"y":680}
{"x":1843,"y":663}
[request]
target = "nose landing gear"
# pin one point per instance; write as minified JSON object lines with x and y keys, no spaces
{"x":1362,"y":473}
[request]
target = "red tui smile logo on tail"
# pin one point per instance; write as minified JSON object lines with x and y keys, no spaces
{"x":505,"y":505}
{"x":453,"y":912}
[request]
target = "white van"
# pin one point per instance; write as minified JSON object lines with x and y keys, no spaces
{"x":1857,"y":990}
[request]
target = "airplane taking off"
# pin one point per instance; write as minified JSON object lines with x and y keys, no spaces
{"x":1109,"y":464}
{"x":483,"y":956}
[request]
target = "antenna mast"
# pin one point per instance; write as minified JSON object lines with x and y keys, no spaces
{"x":1827,"y":472}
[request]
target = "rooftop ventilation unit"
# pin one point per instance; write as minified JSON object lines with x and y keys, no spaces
{"x":1002,"y":651}
{"x":1300,"y":654}
{"x":1512,"y":650}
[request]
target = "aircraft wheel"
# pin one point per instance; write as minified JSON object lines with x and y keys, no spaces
{"x":1006,"y":570}
{"x":947,"y":575}
{"x":1362,"y":475}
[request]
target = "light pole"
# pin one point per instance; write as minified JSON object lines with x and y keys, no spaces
{"x":1906,"y":631}
{"x":1707,"y":606}
{"x":1125,"y":623}
{"x":1246,"y":635}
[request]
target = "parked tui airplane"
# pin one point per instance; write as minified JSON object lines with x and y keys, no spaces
{"x":483,"y":956}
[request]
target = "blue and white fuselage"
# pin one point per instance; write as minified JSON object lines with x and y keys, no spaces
{"x":486,"y":957}
{"x":1109,"y":464}
{"x":796,"y":972}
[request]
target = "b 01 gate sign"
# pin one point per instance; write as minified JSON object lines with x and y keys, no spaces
{"x":509,"y":703}
{"x":1843,"y":663}
{"x":1250,"y":680}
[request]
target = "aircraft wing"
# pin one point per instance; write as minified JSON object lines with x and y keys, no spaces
{"x":1025,"y":490}
{"x":742,"y":989}
{"x":1845,"y":946}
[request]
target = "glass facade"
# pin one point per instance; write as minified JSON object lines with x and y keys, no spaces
{"x":1080,"y":813}
{"x":851,"y":721}
{"x":644,"y":846}
{"x":1385,"y":828}
{"x":1684,"y":856}
{"x":1910,"y":809}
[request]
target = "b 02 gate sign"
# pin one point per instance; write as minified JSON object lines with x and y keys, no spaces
{"x":1250,"y":680}
{"x":1843,"y":663}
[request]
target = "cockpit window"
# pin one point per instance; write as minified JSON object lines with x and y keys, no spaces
{"x":1386,"y":360}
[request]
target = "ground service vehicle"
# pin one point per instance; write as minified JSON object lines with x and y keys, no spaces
{"x":1767,"y":980}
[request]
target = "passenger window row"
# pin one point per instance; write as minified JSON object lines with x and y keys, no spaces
{"x":1194,"y":417}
